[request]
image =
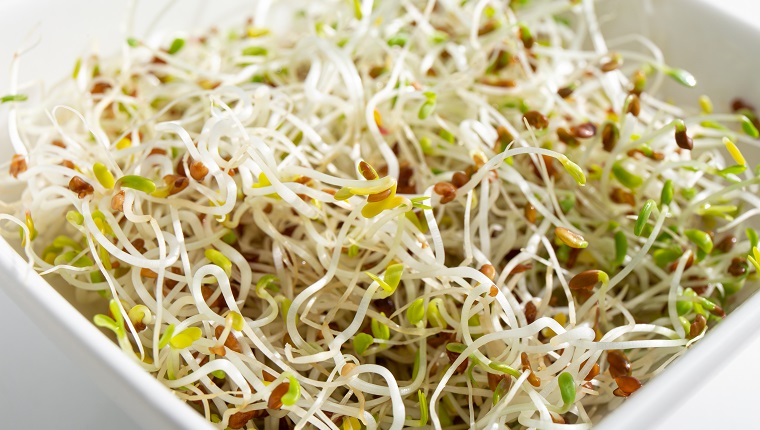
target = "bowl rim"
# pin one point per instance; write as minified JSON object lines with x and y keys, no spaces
{"x":136,"y":391}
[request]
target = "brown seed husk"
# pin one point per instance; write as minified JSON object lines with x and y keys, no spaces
{"x":275,"y":399}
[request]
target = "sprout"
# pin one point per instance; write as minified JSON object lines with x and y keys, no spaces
{"x":569,"y":238}
{"x":166,"y":336}
{"x":103,"y":175}
{"x":586,"y":280}
{"x":220,"y":260}
{"x":643,"y":217}
{"x":390,"y":280}
{"x":415,"y":313}
{"x":706,"y":104}
{"x":398,"y":40}
{"x":625,"y":177}
{"x":621,"y":248}
{"x":749,"y":128}
{"x":567,"y":390}
{"x":362,"y":341}
{"x":667,"y":193}
{"x":185,"y":338}
{"x":13,"y":98}
{"x":379,"y":330}
{"x":504,"y":368}
{"x":176,"y":46}
{"x":700,"y":238}
{"x":574,"y":170}
{"x":235,"y":320}
{"x":681,"y":76}
{"x":734,"y":151}
{"x":294,"y":392}
{"x":434,"y":314}
{"x":138,"y":183}
{"x":422,"y":401}
{"x":255,"y":51}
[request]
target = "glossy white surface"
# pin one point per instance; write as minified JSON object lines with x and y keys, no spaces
{"x":46,"y":385}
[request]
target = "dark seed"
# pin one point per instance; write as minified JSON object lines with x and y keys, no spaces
{"x":593,"y":372}
{"x":231,"y":342}
{"x":619,"y":364}
{"x":584,"y":280}
{"x":117,"y":202}
{"x":198,"y":171}
{"x":460,"y":179}
{"x":80,"y":186}
{"x":531,"y":215}
{"x":584,"y":131}
{"x":738,"y":267}
{"x":488,"y":270}
{"x":628,"y":384}
{"x":493,"y":380}
{"x":367,"y":171}
{"x":275,"y":399}
{"x":567,"y":137}
{"x":530,"y":312}
{"x":566,"y":92}
{"x":634,"y":107}
{"x":239,"y":419}
{"x":18,"y":165}
{"x":726,"y":244}
{"x":683,"y":140}
{"x":610,"y":135}
{"x":443,"y":188}
{"x":536,"y":119}
{"x":699,"y":324}
{"x":379,"y":196}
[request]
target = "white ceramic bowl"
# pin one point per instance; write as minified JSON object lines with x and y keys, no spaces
{"x":694,"y":34}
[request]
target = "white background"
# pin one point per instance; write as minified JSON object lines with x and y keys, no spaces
{"x":41,"y":388}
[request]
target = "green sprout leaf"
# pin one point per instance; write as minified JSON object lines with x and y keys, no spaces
{"x":294,"y":392}
{"x":398,"y":40}
{"x":567,"y":389}
{"x":176,"y":46}
{"x":434,"y":314}
{"x":643,"y":217}
{"x":749,"y":128}
{"x":681,"y":76}
{"x":423,"y":408}
{"x":625,"y":177}
{"x":504,"y":368}
{"x":237,"y":321}
{"x":138,"y":183}
{"x":166,"y":336}
{"x":255,"y":51}
{"x":416,"y":311}
{"x":103,"y":175}
{"x":13,"y":98}
{"x":667,"y":193}
{"x":380,"y":330}
{"x":426,"y":110}
{"x":219,"y":259}
{"x":185,"y":338}
{"x":700,"y":238}
{"x":621,"y":248}
{"x":574,"y":170}
{"x":362,"y":341}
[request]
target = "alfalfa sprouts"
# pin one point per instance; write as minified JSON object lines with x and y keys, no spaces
{"x":389,"y":214}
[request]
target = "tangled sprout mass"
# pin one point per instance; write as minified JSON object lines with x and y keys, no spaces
{"x":345,"y":214}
